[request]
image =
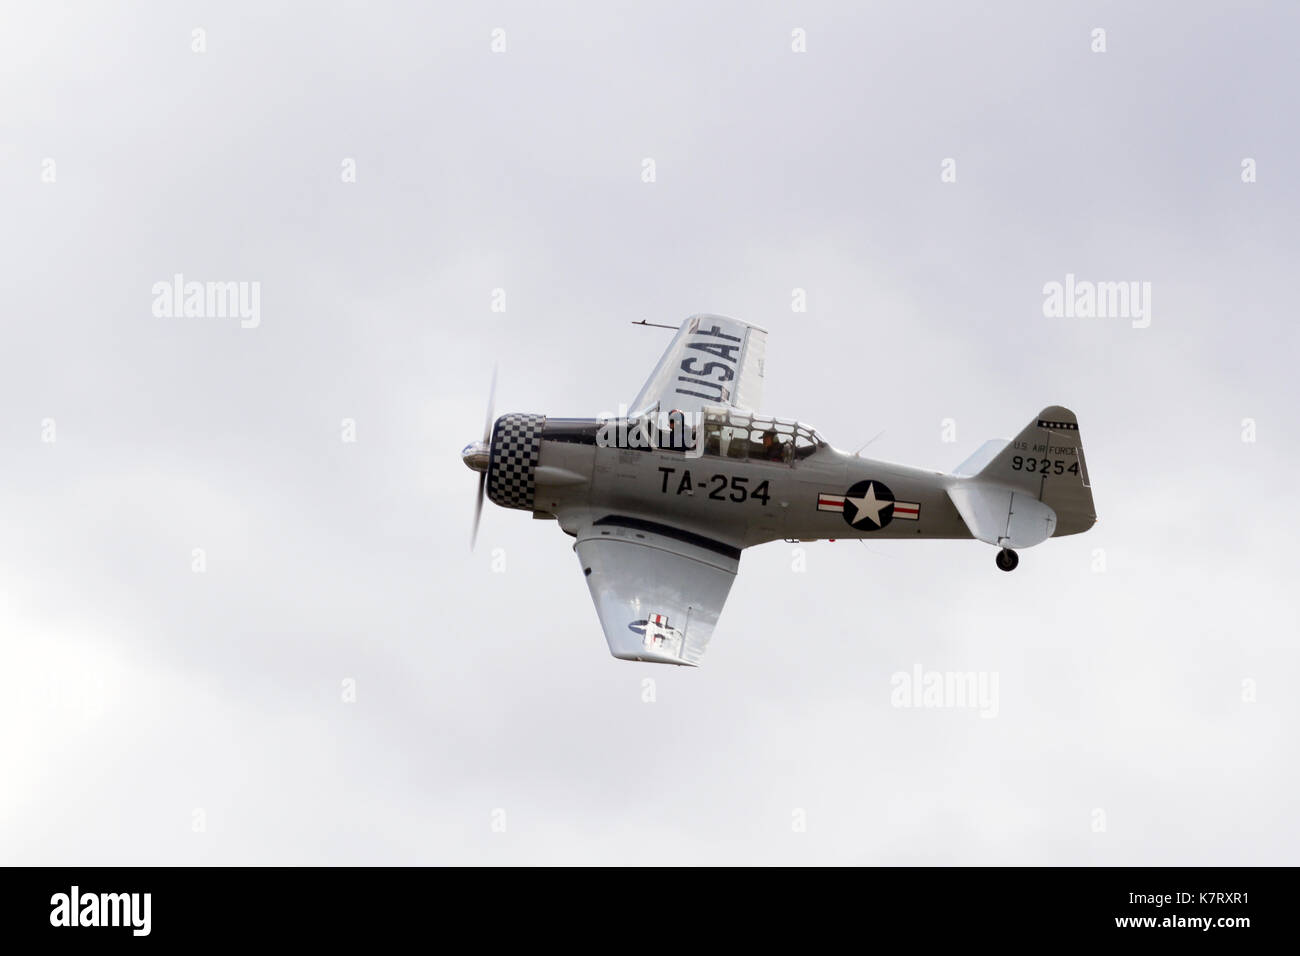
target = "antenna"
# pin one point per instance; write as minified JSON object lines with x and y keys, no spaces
{"x":655,"y":325}
{"x":878,"y":434}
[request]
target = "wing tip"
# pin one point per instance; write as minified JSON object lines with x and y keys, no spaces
{"x":644,"y":659}
{"x":724,"y":318}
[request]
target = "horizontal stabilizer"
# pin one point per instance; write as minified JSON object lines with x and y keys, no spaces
{"x":1009,"y":519}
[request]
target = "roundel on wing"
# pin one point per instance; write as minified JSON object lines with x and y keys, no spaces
{"x":869,"y":505}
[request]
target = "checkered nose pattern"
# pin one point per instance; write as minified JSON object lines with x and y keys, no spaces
{"x":516,"y":441}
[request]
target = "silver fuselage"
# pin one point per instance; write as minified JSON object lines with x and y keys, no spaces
{"x":742,"y":501}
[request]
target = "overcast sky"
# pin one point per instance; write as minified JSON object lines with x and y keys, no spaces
{"x":1147,"y":670}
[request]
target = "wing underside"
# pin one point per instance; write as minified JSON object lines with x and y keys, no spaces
{"x":658,"y":590}
{"x":712,"y":360}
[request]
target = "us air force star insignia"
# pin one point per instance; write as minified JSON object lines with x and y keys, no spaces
{"x":869,"y":505}
{"x":657,"y":634}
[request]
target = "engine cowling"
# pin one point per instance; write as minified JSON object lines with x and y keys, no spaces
{"x":512,"y":464}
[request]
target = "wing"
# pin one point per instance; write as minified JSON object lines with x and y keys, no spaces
{"x":712,"y":360}
{"x":658,"y":590}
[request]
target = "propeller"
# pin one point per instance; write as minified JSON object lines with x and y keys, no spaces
{"x":487,"y":437}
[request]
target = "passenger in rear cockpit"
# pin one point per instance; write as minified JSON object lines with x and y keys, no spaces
{"x":771,"y":447}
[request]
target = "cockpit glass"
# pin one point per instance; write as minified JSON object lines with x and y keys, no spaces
{"x":730,"y":434}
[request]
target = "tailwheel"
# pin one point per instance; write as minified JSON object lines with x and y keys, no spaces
{"x":1008,"y":559}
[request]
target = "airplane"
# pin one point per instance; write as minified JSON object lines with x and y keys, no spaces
{"x":661,"y":501}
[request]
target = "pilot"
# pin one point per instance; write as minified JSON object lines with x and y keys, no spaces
{"x":676,"y":429}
